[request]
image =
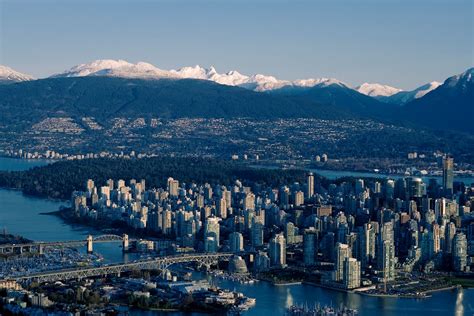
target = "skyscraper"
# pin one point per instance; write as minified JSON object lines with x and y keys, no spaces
{"x":290,"y":232}
{"x":310,"y":185}
{"x":459,"y":252}
{"x":222,"y":208}
{"x":450,"y":233}
{"x":236,"y":242}
{"x":211,"y":229}
{"x":448,"y":167}
{"x":277,"y":249}
{"x":249,"y":202}
{"x":343,"y":251}
{"x":351,"y":276}
{"x":256,"y":234}
{"x":366,"y":243}
{"x":386,"y":252}
{"x":310,"y":246}
{"x":173,"y":187}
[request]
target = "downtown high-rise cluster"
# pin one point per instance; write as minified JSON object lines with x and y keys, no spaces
{"x":364,"y":230}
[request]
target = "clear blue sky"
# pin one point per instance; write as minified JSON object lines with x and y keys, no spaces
{"x":403,"y":43}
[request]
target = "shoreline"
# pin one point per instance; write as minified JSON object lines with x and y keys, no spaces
{"x":355,"y":291}
{"x":370,"y":172}
{"x":34,"y":196}
{"x":287,"y":283}
{"x":329,"y":287}
{"x":455,"y":286}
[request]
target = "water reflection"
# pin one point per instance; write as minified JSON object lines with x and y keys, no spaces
{"x":289,"y":298}
{"x":459,"y":303}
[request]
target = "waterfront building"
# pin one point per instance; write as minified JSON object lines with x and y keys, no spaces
{"x":262,"y":262}
{"x":343,"y":251}
{"x":366,"y":244}
{"x":459,"y":252}
{"x":351,"y":273}
{"x":237,"y":265}
{"x":277,"y":249}
{"x":386,"y":252}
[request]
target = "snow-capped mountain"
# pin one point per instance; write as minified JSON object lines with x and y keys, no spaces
{"x":122,"y":68}
{"x":421,"y":91}
{"x":231,"y":78}
{"x":8,"y":75}
{"x":404,"y":97}
{"x":256,"y":82}
{"x":377,"y":90}
{"x":116,"y":68}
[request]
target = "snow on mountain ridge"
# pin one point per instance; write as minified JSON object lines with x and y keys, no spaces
{"x":257,"y":82}
{"x":421,"y":91}
{"x":122,"y":68}
{"x":196,"y":72}
{"x":8,"y":74}
{"x":377,"y":90}
{"x":116,"y":68}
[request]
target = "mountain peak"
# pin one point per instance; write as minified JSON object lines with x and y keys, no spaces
{"x":468,"y":74}
{"x":462,"y":79}
{"x":116,"y":68}
{"x":377,"y":90}
{"x":7,"y":75}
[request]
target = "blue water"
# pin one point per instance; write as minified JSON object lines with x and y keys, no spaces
{"x":14,"y":164}
{"x":273,"y":300}
{"x":19,"y":214}
{"x":334,"y":174}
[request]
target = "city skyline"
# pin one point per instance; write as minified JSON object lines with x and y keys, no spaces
{"x":265,"y":157}
{"x":420,"y":40}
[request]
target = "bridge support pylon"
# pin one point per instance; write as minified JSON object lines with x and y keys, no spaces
{"x":125,"y":243}
{"x":90,"y":248}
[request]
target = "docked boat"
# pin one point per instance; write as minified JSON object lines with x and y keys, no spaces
{"x":303,"y":310}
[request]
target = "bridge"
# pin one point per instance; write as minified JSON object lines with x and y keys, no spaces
{"x":40,"y":245}
{"x":160,"y":263}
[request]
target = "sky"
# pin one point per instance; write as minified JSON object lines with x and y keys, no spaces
{"x":403,"y":43}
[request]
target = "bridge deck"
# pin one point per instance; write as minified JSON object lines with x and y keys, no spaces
{"x":156,"y":263}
